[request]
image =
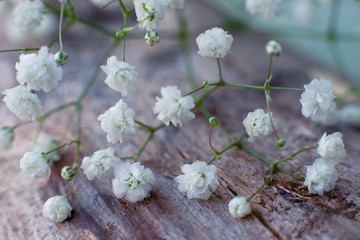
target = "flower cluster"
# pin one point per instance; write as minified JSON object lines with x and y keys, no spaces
{"x":150,"y":12}
{"x":36,"y":164}
{"x":28,"y":14}
{"x":172,"y":107}
{"x":57,"y":208}
{"x":268,"y":9}
{"x":257,"y":124}
{"x":321,"y":176}
{"x":199,"y":180}
{"x":214,"y":43}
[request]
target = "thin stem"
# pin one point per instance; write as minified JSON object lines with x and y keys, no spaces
{"x":19,"y":125}
{"x":20,"y":50}
{"x":259,"y":189}
{"x":269,"y":69}
{"x":57,"y":109}
{"x":61,"y":146}
{"x":136,"y":157}
{"x":291,"y":157}
{"x":219,"y":68}
{"x":255,"y":154}
{"x":146,"y":127}
{"x":123,"y":7}
{"x":194,"y":91}
{"x":86,"y":149}
{"x":72,"y":187}
{"x":231,"y":145}
{"x":63,"y":31}
{"x":78,"y":135}
{"x":96,"y":27}
{"x":285,"y":88}
{"x":289,"y":173}
{"x":60,"y":23}
{"x":108,"y":4}
{"x":210,"y":144}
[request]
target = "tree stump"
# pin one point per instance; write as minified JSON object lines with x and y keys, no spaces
{"x":282,"y":210}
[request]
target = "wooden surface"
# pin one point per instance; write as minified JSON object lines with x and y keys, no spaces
{"x":283,"y":210}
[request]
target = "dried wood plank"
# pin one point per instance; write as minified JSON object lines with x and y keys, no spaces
{"x":283,"y":210}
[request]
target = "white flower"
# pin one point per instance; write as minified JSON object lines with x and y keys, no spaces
{"x":239,"y":206}
{"x":257,"y":124}
{"x":268,"y":9}
{"x":172,"y":107}
{"x":39,"y":71}
{"x":118,"y":122}
{"x":6,"y":138}
{"x":100,"y":164}
{"x":273,"y":48}
{"x":214,"y":42}
{"x":57,"y":208}
{"x":331,"y":148}
{"x":27,"y":14}
{"x":320,"y":177}
{"x":23,"y":102}
{"x":36,"y":164}
{"x":198,"y":181}
{"x":132,"y":181}
{"x":303,"y":12}
{"x":176,"y":4}
{"x":154,"y":8}
{"x":317,"y":98}
{"x":121,"y":76}
{"x":46,"y":144}
{"x":350,"y":115}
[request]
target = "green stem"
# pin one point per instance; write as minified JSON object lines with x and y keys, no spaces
{"x":146,"y":127}
{"x":136,"y":157}
{"x":61,"y":146}
{"x":108,"y":4}
{"x":219,"y":68}
{"x":60,"y":24}
{"x":96,"y":27}
{"x":259,"y":189}
{"x":210,"y":144}
{"x":57,"y":109}
{"x":63,"y":31}
{"x":255,"y":154}
{"x":196,"y":90}
{"x":20,"y":50}
{"x":291,"y":157}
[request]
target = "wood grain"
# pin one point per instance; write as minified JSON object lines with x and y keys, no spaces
{"x":283,"y":210}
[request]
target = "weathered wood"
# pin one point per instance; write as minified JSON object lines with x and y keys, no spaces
{"x":284,"y":209}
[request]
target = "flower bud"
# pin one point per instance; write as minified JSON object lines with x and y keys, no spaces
{"x":206,"y":84}
{"x":6,"y":138}
{"x":57,"y":208}
{"x":213,"y":121}
{"x":281,"y":142}
{"x":152,"y":37}
{"x":61,"y":57}
{"x":240,"y":206}
{"x":68,"y":173}
{"x":273,"y":48}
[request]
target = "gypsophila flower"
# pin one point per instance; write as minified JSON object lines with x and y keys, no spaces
{"x":118,"y":122}
{"x":239,"y":206}
{"x":176,"y":4}
{"x":6,"y":138}
{"x":273,"y":48}
{"x":268,"y":9}
{"x":329,"y":118}
{"x":27,"y":14}
{"x":132,"y":181}
{"x":57,"y":208}
{"x":331,"y":148}
{"x":172,"y":107}
{"x":100,"y":164}
{"x":36,"y":164}
{"x":23,"y":103}
{"x":198,"y":181}
{"x":46,"y":144}
{"x":121,"y":76}
{"x":350,"y":115}
{"x":317,"y":98}
{"x":214,"y":42}
{"x":38,"y":71}
{"x":154,"y":10}
{"x":257,"y":124}
{"x":320,"y":177}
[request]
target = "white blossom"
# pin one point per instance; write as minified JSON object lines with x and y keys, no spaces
{"x":198,"y":181}
{"x":121,"y":76}
{"x":23,"y":103}
{"x":118,"y":122}
{"x":214,"y":42}
{"x":176,"y":4}
{"x":350,"y":115}
{"x":6,"y":138}
{"x":268,"y":9}
{"x":239,"y":206}
{"x":317,"y":98}
{"x":100,"y":164}
{"x":57,"y":208}
{"x":303,"y":12}
{"x":46,"y":144}
{"x":36,"y":164}
{"x":320,"y":177}
{"x":172,"y":107}
{"x":273,"y":48}
{"x":258,"y":124}
{"x":132,"y":181}
{"x":38,"y":71}
{"x":152,"y":38}
{"x":154,"y":8}
{"x":27,"y":14}
{"x":331,"y":148}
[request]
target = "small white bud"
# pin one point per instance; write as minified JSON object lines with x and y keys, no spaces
{"x":273,"y":48}
{"x":57,"y":208}
{"x":239,"y":206}
{"x":61,"y":57}
{"x":36,"y":164}
{"x":68,"y":173}
{"x":152,"y":38}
